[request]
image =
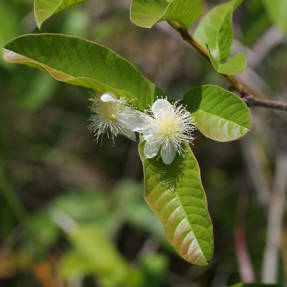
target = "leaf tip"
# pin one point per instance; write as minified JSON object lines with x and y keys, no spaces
{"x":10,"y":56}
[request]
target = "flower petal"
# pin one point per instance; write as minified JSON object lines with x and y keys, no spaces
{"x":134,"y":120}
{"x":161,"y":106}
{"x":168,"y":152}
{"x":147,"y":133}
{"x":152,"y":146}
{"x":108,"y":97}
{"x":128,"y":133}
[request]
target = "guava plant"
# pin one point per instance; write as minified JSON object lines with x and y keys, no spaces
{"x":124,"y":102}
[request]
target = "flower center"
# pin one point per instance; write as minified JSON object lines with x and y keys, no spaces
{"x":107,"y":110}
{"x":168,"y":125}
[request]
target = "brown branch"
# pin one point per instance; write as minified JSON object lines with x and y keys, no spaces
{"x":251,"y":101}
{"x":249,"y":98}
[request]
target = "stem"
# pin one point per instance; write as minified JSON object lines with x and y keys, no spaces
{"x":250,"y":100}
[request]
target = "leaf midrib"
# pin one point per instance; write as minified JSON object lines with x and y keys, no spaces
{"x":191,"y":227}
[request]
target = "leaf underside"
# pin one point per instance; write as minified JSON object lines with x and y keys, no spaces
{"x":146,"y":13}
{"x":44,"y":9}
{"x":176,"y":195}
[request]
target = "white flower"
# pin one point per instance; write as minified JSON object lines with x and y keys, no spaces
{"x":167,"y":129}
{"x":112,"y":116}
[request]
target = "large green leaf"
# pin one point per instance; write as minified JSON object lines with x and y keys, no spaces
{"x":215,"y":33}
{"x":83,"y":63}
{"x":146,"y":13}
{"x":44,"y":9}
{"x":175,"y":193}
{"x":217,"y":113}
{"x":277,"y":11}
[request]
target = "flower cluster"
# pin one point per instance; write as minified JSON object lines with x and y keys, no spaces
{"x":165,"y":128}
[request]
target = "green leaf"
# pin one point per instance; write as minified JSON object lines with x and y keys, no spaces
{"x":175,"y":194}
{"x":91,"y":242}
{"x":217,"y":113}
{"x":94,"y":253}
{"x":235,"y":65}
{"x":74,"y":264}
{"x":82,"y":63}
{"x":44,"y":9}
{"x":9,"y":27}
{"x":215,"y":33}
{"x":277,"y":12}
{"x":146,"y":13}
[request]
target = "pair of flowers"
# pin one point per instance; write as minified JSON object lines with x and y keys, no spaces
{"x":165,"y":128}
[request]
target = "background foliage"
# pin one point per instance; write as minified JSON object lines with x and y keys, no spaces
{"x":72,"y":212}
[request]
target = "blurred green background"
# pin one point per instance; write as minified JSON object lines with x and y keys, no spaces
{"x":72,"y":212}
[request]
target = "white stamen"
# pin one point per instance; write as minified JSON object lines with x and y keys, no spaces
{"x":112,"y":116}
{"x":169,"y":127}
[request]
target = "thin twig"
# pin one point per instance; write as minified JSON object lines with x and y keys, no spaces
{"x":251,"y":101}
{"x":243,"y":91}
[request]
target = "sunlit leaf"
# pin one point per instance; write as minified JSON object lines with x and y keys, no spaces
{"x":217,"y":113}
{"x":215,"y":33}
{"x":176,"y":195}
{"x":95,"y":254}
{"x":44,"y":9}
{"x":146,"y":13}
{"x":74,"y":264}
{"x":277,"y":11}
{"x":83,"y":63}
